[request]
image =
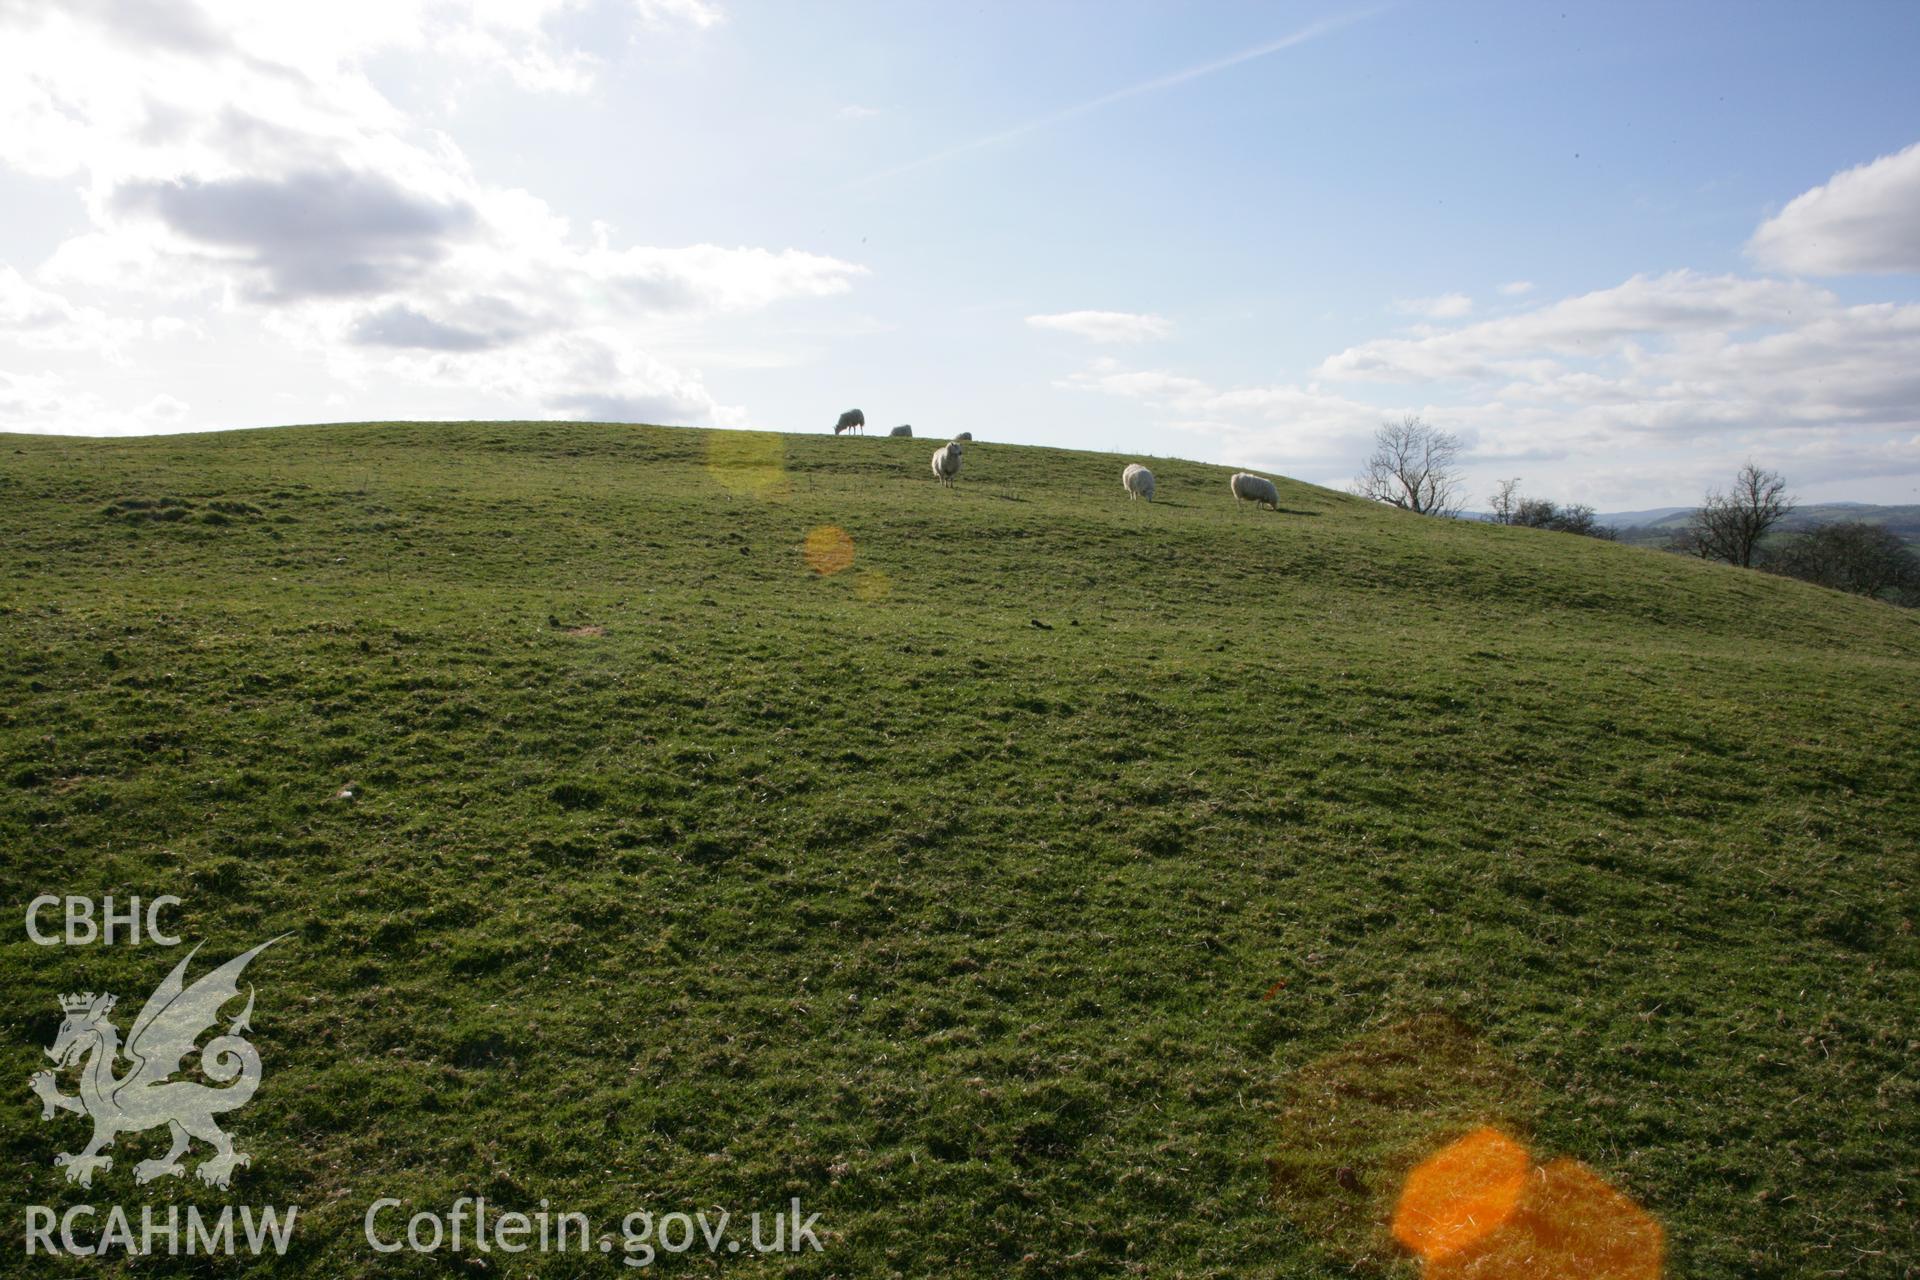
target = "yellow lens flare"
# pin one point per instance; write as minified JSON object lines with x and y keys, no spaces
{"x":1460,"y":1194}
{"x":872,"y":584}
{"x":748,"y":464}
{"x":827,"y":550}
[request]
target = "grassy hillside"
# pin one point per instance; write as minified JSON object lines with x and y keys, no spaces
{"x":1021,"y":895}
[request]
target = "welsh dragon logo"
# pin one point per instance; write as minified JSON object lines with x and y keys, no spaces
{"x":143,"y":1097}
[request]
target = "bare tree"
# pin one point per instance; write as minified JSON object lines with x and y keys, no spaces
{"x":1729,"y":526}
{"x":1413,"y":466}
{"x":1504,"y":500}
{"x":1574,"y":517}
{"x":1512,"y":507}
{"x":1867,"y":559}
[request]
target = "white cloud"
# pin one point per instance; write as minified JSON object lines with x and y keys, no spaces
{"x":89,"y":74}
{"x":164,"y":413}
{"x":1105,"y":326}
{"x":584,"y":373}
{"x":1606,"y":321}
{"x":1646,"y":388}
{"x":235,"y":157}
{"x":1517,"y":288}
{"x":39,"y":319}
{"x":1270,"y":426}
{"x":46,"y":403}
{"x":854,"y":111}
{"x":1447,"y":306}
{"x":30,"y":401}
{"x":1864,"y":220}
{"x":694,"y":13}
{"x":1678,"y":357}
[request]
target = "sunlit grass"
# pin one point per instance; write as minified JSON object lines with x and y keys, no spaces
{"x":943,"y":890}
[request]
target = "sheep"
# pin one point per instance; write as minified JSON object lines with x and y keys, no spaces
{"x":946,"y":463}
{"x":905,"y":430}
{"x":965,"y":435}
{"x":851,"y":420}
{"x":1137,"y":481}
{"x":1255,"y":489}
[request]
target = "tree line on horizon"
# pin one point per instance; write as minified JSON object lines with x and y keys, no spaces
{"x":1415,"y":466}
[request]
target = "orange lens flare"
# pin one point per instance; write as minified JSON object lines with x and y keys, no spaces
{"x":827,"y":550}
{"x":1460,"y":1194}
{"x":1477,"y":1210}
{"x":1571,"y":1225}
{"x":1411,"y":1140}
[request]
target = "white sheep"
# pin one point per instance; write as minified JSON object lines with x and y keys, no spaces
{"x":946,"y":463}
{"x":905,"y":430}
{"x":1137,"y":481}
{"x":1255,"y":489}
{"x":851,"y":420}
{"x":964,"y":435}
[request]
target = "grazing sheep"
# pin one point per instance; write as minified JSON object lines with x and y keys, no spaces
{"x":946,"y":463}
{"x":851,"y":420}
{"x":906,"y":430}
{"x":1254,"y":489}
{"x":1137,"y":481}
{"x":965,"y":435}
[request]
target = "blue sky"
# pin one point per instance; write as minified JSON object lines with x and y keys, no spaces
{"x":1617,"y":248}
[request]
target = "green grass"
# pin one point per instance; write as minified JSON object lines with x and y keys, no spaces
{"x":951,"y":893}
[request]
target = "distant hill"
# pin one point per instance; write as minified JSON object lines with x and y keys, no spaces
{"x":1618,"y":519}
{"x":1661,"y":523}
{"x":1634,"y":519}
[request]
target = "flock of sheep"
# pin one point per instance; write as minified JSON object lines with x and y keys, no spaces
{"x":1136,"y":480}
{"x":1246,"y":487}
